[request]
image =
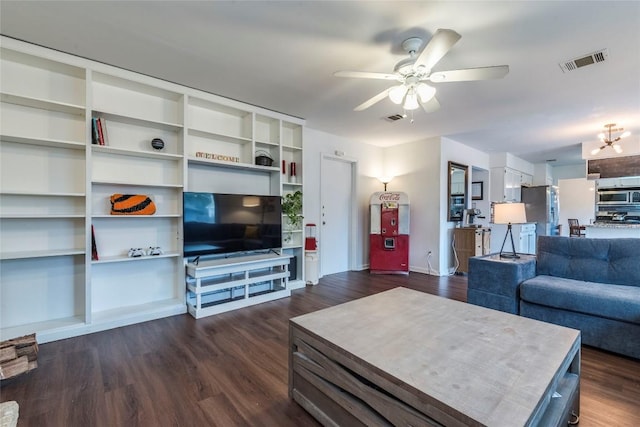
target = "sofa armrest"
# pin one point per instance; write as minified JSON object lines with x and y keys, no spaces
{"x":494,"y":282}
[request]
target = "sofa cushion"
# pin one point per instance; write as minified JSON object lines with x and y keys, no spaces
{"x":617,"y":302}
{"x":615,"y":261}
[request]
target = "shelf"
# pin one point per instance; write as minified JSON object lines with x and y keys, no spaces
{"x":292,"y":247}
{"x":136,"y":216}
{"x":40,"y":216}
{"x":135,"y":184}
{"x":212,"y":135}
{"x":51,"y":327}
{"x":270,"y":144}
{"x":219,"y":284}
{"x":138,"y":121}
{"x":44,"y":142}
{"x":199,"y":313}
{"x":121,"y":258}
{"x":291,"y":147}
{"x":106,"y":319}
{"x":39,"y":194}
{"x":220,"y":163}
{"x":41,"y":254}
{"x":44,"y":104}
{"x":145,"y":154}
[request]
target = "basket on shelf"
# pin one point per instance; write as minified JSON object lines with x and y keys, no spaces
{"x":263,"y":158}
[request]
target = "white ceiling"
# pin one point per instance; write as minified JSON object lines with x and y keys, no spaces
{"x":282,"y":55}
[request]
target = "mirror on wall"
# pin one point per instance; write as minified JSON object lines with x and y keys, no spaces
{"x":457,"y":191}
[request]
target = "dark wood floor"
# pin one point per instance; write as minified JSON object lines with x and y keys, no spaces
{"x":231,"y":369}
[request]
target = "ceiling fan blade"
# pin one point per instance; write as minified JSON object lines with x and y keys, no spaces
{"x":431,"y":105}
{"x":469,"y":74}
{"x":366,"y":75}
{"x":368,"y":103}
{"x":438,"y":46}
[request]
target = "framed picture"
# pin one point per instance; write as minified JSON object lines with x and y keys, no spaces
{"x":477,"y":190}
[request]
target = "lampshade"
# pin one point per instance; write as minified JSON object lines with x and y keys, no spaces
{"x":411,"y":100}
{"x":396,"y":95}
{"x":250,"y":201}
{"x":509,"y":213}
{"x":426,"y":92}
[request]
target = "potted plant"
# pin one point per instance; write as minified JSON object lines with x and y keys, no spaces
{"x":292,"y":209}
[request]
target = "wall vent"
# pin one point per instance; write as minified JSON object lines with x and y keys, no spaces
{"x":584,"y":60}
{"x":394,"y":118}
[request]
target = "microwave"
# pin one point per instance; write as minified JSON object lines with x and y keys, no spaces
{"x":618,"y":196}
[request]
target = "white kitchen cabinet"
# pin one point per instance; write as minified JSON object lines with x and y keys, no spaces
{"x":506,"y":184}
{"x":524,"y":238}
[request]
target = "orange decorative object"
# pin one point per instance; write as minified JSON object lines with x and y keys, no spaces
{"x":132,"y":204}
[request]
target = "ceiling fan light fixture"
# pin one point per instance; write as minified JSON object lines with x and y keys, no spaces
{"x":411,"y":100}
{"x":426,"y":92}
{"x":396,"y":95}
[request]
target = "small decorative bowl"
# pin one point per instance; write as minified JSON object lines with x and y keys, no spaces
{"x":157,"y":143}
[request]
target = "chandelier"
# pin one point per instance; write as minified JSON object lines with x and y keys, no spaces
{"x":608,"y":141}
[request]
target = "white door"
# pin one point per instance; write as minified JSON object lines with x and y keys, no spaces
{"x":335,"y":215}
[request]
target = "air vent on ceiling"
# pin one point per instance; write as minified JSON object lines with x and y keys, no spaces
{"x":394,"y":117}
{"x":584,"y":60}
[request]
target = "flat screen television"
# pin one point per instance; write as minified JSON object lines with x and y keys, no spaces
{"x":215,"y":223}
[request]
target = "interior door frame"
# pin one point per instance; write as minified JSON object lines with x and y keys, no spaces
{"x":324,"y":157}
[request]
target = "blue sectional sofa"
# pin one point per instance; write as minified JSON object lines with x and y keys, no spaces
{"x":588,"y":284}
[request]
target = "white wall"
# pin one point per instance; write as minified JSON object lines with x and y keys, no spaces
{"x":416,"y":168}
{"x":569,"y":172}
{"x":370,"y":166}
{"x":456,"y":152}
{"x":484,"y":205}
{"x":576,"y":200}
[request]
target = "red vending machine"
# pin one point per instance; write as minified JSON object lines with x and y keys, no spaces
{"x":389,"y":236}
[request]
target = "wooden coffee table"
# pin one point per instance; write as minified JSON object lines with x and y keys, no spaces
{"x":403,"y":357}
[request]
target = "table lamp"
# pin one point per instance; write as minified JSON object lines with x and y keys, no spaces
{"x":509,"y":213}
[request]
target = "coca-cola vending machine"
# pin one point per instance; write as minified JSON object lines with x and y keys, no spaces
{"x":389,"y":236}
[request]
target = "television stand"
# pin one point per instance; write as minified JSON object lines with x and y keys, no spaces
{"x":224,"y":284}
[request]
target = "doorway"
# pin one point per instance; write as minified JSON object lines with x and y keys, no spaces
{"x":337,"y":194}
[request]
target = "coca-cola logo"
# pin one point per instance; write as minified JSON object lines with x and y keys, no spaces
{"x":390,"y":197}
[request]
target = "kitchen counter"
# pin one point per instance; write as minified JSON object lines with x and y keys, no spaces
{"x":607,"y":230}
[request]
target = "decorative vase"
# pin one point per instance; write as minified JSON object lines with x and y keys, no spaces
{"x":157,"y":143}
{"x":292,"y":177}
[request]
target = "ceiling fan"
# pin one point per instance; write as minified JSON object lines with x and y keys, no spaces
{"x":608,"y":142}
{"x":413,"y":72}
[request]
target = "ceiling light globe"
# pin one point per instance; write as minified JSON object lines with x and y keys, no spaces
{"x":411,"y":102}
{"x":426,"y":92}
{"x":617,"y":148}
{"x":396,"y":95}
{"x":626,"y":134}
{"x":595,"y":151}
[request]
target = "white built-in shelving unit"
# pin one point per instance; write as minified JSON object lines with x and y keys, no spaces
{"x":55,"y":187}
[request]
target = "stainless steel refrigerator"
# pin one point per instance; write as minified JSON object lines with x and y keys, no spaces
{"x":541,"y":207}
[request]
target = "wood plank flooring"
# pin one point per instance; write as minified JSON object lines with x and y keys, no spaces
{"x":231,"y":369}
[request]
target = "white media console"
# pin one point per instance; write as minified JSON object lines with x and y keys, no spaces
{"x":219,"y":285}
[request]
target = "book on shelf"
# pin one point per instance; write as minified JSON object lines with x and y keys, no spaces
{"x":95,"y":137}
{"x":105,"y":134}
{"x":94,"y":247}
{"x":99,"y":131}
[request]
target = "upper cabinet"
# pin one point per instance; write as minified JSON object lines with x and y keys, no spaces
{"x":506,"y":184}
